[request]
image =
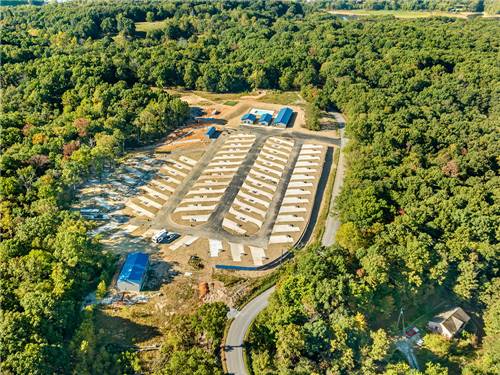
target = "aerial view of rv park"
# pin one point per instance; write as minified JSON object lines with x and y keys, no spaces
{"x":250,"y":187}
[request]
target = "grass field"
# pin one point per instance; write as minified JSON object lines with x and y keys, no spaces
{"x":281,"y":97}
{"x":231,"y":102}
{"x":149,"y":26}
{"x":401,"y":13}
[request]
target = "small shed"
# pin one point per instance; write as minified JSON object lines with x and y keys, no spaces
{"x":449,"y":323}
{"x":211,"y":132}
{"x":248,"y":118}
{"x":283,"y":117}
{"x":133,"y":272}
{"x":265,"y":119}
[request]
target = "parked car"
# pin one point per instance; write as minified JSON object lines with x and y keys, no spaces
{"x":413,"y":333}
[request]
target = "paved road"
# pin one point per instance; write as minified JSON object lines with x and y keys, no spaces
{"x":332,"y":222}
{"x":236,"y":335}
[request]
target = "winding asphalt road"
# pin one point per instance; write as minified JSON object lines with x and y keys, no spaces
{"x":236,"y":335}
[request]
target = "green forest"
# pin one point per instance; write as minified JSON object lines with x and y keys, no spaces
{"x":420,"y":212}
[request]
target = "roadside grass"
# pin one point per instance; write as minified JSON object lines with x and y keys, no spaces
{"x":231,"y":103}
{"x":319,"y":229}
{"x":402,"y":13}
{"x":227,"y":279}
{"x":221,"y":97}
{"x":149,"y":26}
{"x":281,"y":97}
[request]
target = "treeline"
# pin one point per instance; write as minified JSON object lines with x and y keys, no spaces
{"x":487,"y":6}
{"x":80,"y":85}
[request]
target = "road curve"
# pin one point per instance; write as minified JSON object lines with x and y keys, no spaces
{"x":236,"y":335}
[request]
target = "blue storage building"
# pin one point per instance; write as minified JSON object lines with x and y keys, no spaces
{"x":283,"y":117}
{"x":211,"y":132}
{"x":265,"y":119}
{"x":133,"y":272}
{"x":248,"y":118}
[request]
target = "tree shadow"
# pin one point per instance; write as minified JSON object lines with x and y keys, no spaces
{"x":159,"y":272}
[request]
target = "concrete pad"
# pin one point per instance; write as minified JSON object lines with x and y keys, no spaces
{"x":283,"y":148}
{"x":252,"y":199}
{"x":242,"y":135}
{"x":179,"y":165}
{"x":294,"y":200}
{"x":239,"y":145}
{"x":289,"y":218}
{"x":312,"y":146}
{"x":211,"y":183}
{"x":139,"y":209}
{"x":196,"y":218}
{"x":309,"y":152}
{"x":248,"y":207}
{"x":291,"y":192}
{"x":215,"y":247}
{"x":301,"y":184}
{"x":282,"y":140}
{"x":291,"y":209}
{"x":272,"y":157}
{"x":155,"y":193}
{"x":217,"y":175}
{"x":258,"y":255}
{"x":221,"y":169}
{"x":162,"y":185}
{"x":233,"y":150}
{"x":169,"y":179}
{"x":183,"y":241}
{"x":207,"y":191}
{"x":267,"y":170}
{"x":285,"y":228}
{"x":173,"y":171}
{"x":308,"y":157}
{"x":274,"y":151}
{"x":198,"y":199}
{"x":271,"y":164}
{"x":257,"y":191}
{"x":259,"y":183}
{"x":299,"y":176}
{"x":223,"y":163}
{"x":149,"y":202}
{"x":237,"y":250}
{"x":187,"y":160}
{"x":229,"y":157}
{"x":306,"y":163}
{"x":226,"y":223}
{"x":193,"y":207}
{"x":280,"y":239}
{"x":304,"y":170}
{"x":244,"y":217}
{"x":264,"y":176}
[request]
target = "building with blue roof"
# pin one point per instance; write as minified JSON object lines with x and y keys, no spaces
{"x":133,"y":272}
{"x":211,"y":132}
{"x":283,"y":117}
{"x":265,"y":119}
{"x":248,"y":118}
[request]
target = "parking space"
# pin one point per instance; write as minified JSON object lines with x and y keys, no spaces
{"x":206,"y":193}
{"x":250,"y":206}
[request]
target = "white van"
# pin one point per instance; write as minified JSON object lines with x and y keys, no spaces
{"x":160,"y":236}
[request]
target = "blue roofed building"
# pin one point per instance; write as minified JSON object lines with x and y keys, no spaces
{"x":248,"y":118}
{"x":265,"y":119}
{"x":211,"y":132}
{"x":283,"y":117}
{"x":133,"y":272}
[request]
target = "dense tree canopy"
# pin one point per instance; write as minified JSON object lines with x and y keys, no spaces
{"x":420,"y":208}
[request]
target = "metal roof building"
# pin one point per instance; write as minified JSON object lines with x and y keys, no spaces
{"x":133,"y":272}
{"x":211,"y":132}
{"x":265,"y":119}
{"x":248,"y":118}
{"x":283,"y":117}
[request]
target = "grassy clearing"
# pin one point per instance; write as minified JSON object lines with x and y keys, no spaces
{"x":149,"y":26}
{"x":231,"y":103}
{"x":281,"y":97}
{"x":400,"y":13}
{"x":319,"y":229}
{"x":221,"y":97}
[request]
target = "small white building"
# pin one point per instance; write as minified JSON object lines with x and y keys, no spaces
{"x":449,"y":323}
